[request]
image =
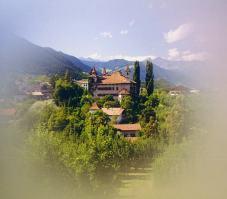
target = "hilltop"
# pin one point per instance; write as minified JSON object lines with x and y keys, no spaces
{"x":21,"y":56}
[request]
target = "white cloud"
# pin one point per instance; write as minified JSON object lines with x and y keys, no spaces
{"x":175,"y":55}
{"x":106,"y":35}
{"x":178,"y":34}
{"x":124,"y":32}
{"x":188,"y":56}
{"x":131,"y":23}
{"x":120,"y":56}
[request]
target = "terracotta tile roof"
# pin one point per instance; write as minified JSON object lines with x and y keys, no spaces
{"x":113,"y":111}
{"x":124,"y":92}
{"x":8,"y":112}
{"x":94,"y":106}
{"x":128,"y":127}
{"x":116,"y":78}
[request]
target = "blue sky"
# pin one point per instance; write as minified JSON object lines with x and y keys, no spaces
{"x":106,"y":29}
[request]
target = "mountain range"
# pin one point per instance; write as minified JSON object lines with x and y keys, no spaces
{"x":21,"y":56}
{"x":120,"y":64}
{"x":177,"y":72}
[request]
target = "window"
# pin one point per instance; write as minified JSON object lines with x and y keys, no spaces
{"x":104,"y":88}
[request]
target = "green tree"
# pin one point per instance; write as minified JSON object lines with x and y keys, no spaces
{"x":75,"y":122}
{"x":106,"y":99}
{"x":109,"y":104}
{"x":149,"y":78}
{"x":136,"y":78}
{"x":67,"y":93}
{"x":152,"y":101}
{"x":99,"y":118}
{"x":151,"y":128}
{"x":58,"y":120}
{"x":128,"y":104}
{"x":147,"y":113}
{"x":86,"y":99}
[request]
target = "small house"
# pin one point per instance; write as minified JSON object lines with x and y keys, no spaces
{"x":128,"y":130}
{"x":178,"y":90}
{"x":174,"y":93}
{"x":195,"y":91}
{"x":37,"y":95}
{"x":83,"y":83}
{"x":115,"y":114}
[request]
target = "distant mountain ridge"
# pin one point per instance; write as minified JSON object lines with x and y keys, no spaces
{"x":177,"y":65}
{"x":114,"y":64}
{"x":20,"y":55}
{"x":120,"y":64}
{"x":177,"y":72}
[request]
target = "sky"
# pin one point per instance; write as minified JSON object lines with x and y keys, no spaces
{"x":130,"y":29}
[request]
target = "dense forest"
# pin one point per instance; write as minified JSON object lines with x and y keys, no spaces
{"x":66,"y":143}
{"x":69,"y":142}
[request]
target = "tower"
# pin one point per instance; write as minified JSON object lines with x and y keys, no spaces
{"x":104,"y":73}
{"x":127,"y":71}
{"x":93,"y":74}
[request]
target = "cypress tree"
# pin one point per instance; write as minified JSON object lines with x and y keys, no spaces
{"x":136,"y":78}
{"x":149,"y":78}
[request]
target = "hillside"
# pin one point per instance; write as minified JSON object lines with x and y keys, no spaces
{"x":19,"y":55}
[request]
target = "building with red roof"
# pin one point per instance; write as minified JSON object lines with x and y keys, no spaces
{"x":115,"y":84}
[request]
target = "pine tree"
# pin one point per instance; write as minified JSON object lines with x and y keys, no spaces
{"x":136,"y":78}
{"x":149,"y":78}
